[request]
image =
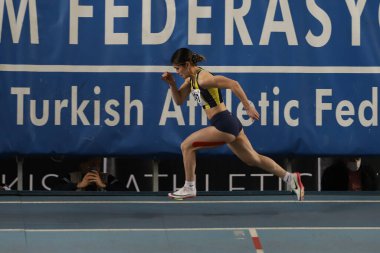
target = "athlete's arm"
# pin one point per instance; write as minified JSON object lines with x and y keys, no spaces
{"x":179,"y":95}
{"x":206,"y":80}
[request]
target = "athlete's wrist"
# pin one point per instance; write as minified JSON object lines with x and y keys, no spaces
{"x":247,"y":105}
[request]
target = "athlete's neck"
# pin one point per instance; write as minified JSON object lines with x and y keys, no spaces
{"x":193,"y":71}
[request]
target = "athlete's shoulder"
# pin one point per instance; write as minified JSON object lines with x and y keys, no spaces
{"x":205,"y":78}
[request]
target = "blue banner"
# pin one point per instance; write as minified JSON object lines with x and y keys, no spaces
{"x":84,"y":76}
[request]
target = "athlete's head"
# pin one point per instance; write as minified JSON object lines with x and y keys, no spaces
{"x":184,"y":59}
{"x":183,"y":55}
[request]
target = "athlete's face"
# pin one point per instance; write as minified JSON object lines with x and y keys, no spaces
{"x":182,"y":70}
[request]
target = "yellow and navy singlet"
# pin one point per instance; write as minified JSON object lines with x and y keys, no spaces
{"x":207,"y":98}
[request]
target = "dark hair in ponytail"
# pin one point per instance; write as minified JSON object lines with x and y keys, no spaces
{"x":182,"y":55}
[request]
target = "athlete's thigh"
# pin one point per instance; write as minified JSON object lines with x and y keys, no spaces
{"x":208,"y":137}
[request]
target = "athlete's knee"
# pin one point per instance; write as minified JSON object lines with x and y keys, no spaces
{"x":186,"y":146}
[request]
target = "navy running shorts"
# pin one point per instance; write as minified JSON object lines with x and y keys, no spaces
{"x":226,"y":122}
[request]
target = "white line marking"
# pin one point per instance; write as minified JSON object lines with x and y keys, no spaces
{"x":187,"y":202}
{"x":215,"y":69}
{"x":179,"y":229}
{"x":253,"y":232}
{"x":256,"y":240}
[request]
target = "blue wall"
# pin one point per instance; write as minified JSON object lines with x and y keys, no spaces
{"x":83,"y":77}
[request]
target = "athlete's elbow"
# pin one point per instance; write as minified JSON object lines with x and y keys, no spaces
{"x":235,"y":85}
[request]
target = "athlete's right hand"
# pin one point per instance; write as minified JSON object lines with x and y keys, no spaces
{"x":168,"y":78}
{"x":252,"y":112}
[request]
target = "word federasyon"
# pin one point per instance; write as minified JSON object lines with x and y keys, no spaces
{"x":235,"y":21}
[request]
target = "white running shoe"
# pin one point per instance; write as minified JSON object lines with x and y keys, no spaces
{"x":297,"y":186}
{"x":183,"y":193}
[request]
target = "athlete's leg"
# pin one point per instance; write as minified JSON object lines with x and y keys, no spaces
{"x":243,"y":149}
{"x":205,"y":138}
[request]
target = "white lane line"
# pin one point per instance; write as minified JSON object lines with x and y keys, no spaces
{"x":180,"y":229}
{"x":186,"y":202}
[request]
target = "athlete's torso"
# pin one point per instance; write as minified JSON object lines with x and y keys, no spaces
{"x":210,"y":99}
